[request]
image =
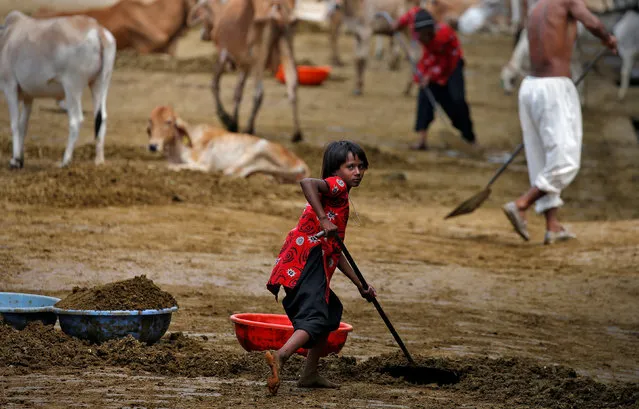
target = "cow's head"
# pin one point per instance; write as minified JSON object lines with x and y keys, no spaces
{"x":9,"y":20}
{"x":165,"y":129}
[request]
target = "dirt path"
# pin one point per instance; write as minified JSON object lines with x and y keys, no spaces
{"x":462,"y":290}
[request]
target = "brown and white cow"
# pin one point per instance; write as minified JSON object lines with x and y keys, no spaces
{"x":251,"y":35}
{"x":55,"y":58}
{"x":147,"y":27}
{"x":207,"y":148}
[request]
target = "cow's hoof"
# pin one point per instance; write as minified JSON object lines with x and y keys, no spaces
{"x":16,"y":163}
{"x":357,"y":92}
{"x":99,"y":162}
{"x":297,"y":137}
{"x":337,"y":62}
{"x":394,"y":65}
{"x":250,"y":131}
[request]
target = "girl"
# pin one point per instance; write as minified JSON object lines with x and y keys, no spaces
{"x":306,"y":264}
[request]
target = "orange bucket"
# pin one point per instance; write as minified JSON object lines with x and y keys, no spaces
{"x":307,"y":74}
{"x":261,"y":332}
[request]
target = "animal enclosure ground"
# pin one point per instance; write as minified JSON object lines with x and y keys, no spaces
{"x":526,"y":325}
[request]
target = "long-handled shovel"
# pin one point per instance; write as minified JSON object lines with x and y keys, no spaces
{"x":413,"y":373}
{"x":471,"y":204}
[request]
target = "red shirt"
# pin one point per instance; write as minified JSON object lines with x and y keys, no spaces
{"x":441,"y":55}
{"x":300,"y":241}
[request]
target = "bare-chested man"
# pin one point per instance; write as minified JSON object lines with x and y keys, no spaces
{"x":550,"y":112}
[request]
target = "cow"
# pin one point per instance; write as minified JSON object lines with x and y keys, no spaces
{"x":147,"y":27}
{"x":55,"y":58}
{"x":360,"y":20}
{"x":627,"y":33}
{"x":210,"y":149}
{"x":625,"y":29}
{"x":250,"y":35}
{"x":519,"y":64}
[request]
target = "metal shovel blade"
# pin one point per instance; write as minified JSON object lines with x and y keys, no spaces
{"x":471,"y":204}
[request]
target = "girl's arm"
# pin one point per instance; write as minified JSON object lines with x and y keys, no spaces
{"x":348,"y":271}
{"x":313,"y":188}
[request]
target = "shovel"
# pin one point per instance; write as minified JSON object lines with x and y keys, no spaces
{"x":470,"y":205}
{"x":412,"y":373}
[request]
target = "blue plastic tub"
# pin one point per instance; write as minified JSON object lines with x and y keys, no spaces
{"x":99,"y":326}
{"x":19,"y":309}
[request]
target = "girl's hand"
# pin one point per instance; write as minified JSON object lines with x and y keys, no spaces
{"x":369,"y":293}
{"x":328,"y":226}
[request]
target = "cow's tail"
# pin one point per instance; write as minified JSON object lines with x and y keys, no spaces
{"x":101,"y":85}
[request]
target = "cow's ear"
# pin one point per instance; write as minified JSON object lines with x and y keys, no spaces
{"x":183,"y":133}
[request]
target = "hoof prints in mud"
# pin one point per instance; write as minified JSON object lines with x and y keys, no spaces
{"x":507,"y":380}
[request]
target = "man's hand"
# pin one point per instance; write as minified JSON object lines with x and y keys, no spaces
{"x":424,"y":81}
{"x":611,"y":43}
{"x":368,"y":294}
{"x":327,"y":226}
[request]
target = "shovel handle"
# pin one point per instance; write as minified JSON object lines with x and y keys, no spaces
{"x":374,"y":300}
{"x":505,"y":165}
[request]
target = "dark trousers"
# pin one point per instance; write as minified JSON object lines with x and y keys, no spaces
{"x":452,"y":98}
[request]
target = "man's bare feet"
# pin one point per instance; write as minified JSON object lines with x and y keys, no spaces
{"x":315,"y":381}
{"x":273,"y":382}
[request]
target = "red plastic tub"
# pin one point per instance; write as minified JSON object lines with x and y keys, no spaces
{"x":307,"y":74}
{"x":261,"y":332}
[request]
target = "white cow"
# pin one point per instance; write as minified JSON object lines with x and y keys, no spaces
{"x":55,"y":58}
{"x":519,"y":64}
{"x":627,"y":33}
{"x":626,"y":30}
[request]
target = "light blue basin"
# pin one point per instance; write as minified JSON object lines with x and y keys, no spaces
{"x":18,"y":309}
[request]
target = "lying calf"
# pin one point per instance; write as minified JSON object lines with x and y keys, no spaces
{"x":207,"y":148}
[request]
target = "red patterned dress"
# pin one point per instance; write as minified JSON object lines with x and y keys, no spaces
{"x":300,"y":241}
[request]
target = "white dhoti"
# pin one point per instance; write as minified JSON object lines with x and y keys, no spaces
{"x":550,"y":115}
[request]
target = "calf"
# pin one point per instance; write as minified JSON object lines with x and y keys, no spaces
{"x":251,"y":35}
{"x":207,"y":148}
{"x":55,"y":58}
{"x":147,"y":27}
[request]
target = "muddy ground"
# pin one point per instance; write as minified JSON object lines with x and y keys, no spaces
{"x":526,"y":325}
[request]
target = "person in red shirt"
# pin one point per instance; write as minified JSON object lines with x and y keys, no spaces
{"x":441,"y":70}
{"x":306,"y":264}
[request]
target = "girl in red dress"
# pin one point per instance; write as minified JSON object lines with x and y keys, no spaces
{"x":306,"y":264}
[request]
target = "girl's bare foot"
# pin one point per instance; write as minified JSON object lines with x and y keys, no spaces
{"x":315,"y":381}
{"x":273,"y":382}
{"x":420,"y":146}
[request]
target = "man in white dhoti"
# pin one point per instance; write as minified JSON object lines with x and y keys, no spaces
{"x":550,"y":112}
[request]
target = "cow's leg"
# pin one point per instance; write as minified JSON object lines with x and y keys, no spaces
{"x":336,"y":20}
{"x":396,"y":55}
{"x":239,"y":91}
{"x":74,"y":110}
{"x":379,"y":47}
{"x":11,"y":94}
{"x":627,"y":62}
{"x":264,"y":51}
{"x":362,"y":47}
{"x":290,"y":71}
{"x":218,"y":70}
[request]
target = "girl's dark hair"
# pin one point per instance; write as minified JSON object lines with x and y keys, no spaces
{"x":336,"y":154}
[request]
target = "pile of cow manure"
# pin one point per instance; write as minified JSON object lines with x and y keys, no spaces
{"x":138,"y":293}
